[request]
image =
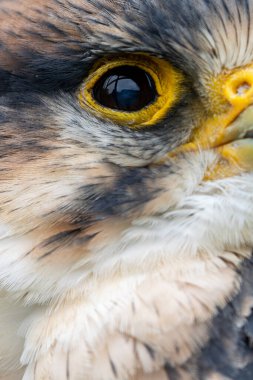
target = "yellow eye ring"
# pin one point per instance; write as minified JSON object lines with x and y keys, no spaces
{"x":167,"y":80}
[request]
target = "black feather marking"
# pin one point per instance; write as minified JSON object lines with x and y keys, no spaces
{"x":171,"y":372}
{"x":150,"y":351}
{"x":61,"y":236}
{"x":230,"y":351}
{"x":67,"y":366}
{"x":113,"y":367}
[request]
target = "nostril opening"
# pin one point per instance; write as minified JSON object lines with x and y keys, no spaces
{"x":238,"y":88}
{"x":243,"y":88}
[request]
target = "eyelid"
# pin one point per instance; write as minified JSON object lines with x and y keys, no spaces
{"x":167,"y":79}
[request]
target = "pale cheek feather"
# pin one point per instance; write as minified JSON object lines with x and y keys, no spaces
{"x":211,"y":223}
{"x":212,"y":218}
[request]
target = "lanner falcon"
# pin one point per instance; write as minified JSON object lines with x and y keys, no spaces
{"x":126,"y":189}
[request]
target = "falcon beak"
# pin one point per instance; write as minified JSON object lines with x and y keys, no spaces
{"x":230,"y":131}
{"x":235,"y":147}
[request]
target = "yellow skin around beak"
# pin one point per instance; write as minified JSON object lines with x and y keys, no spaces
{"x":227,"y":130}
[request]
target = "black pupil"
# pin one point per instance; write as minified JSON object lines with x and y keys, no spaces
{"x":125,"y":88}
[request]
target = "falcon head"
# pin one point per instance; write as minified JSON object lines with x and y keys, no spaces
{"x":126,"y":192}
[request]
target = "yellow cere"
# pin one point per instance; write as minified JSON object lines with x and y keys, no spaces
{"x":235,"y":89}
{"x":231,"y":102}
{"x":230,"y":94}
{"x":167,"y":80}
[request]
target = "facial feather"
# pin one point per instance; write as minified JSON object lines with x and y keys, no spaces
{"x":93,"y":227}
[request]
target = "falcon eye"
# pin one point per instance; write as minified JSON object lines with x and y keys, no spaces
{"x":125,"y":88}
{"x":134,"y":90}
